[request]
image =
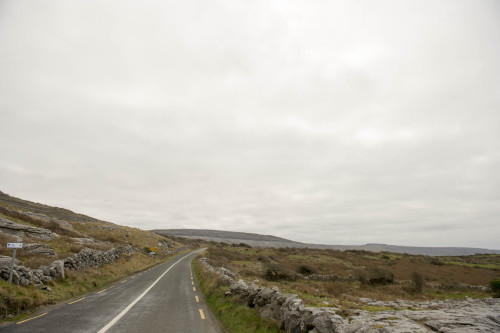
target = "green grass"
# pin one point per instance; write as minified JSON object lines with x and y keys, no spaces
{"x":444,"y":294}
{"x":233,"y":316}
{"x":373,"y":308}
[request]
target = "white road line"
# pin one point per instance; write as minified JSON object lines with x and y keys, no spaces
{"x":121,"y":314}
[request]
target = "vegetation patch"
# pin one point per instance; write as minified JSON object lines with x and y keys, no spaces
{"x":233,"y":316}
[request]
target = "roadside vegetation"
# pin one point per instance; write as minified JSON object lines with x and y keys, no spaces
{"x":340,"y":278}
{"x":232,"y":316}
{"x":17,"y":302}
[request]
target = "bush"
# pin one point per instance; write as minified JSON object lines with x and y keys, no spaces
{"x":376,"y":276}
{"x":419,"y":282}
{"x":275,"y":272}
{"x":305,"y":270}
{"x":495,"y":287}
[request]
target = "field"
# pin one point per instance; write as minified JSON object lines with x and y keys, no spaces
{"x":339,"y":278}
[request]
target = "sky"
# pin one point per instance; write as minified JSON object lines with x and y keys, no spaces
{"x":328,"y":122}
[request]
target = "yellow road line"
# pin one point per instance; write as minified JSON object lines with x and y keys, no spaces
{"x":102,"y":291}
{"x":133,"y":277}
{"x":192,"y":283}
{"x":194,"y":289}
{"x":202,"y":315}
{"x":78,"y":300}
{"x":20,"y":322}
{"x":197,"y":299}
{"x":123,"y":281}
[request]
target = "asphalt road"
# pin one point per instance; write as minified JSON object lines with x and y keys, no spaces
{"x":165,"y":298}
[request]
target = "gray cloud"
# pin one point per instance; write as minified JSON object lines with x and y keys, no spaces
{"x":323,"y":122}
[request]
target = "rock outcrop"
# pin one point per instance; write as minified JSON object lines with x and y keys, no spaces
{"x":42,"y":249}
{"x":478,"y":315}
{"x":22,"y":230}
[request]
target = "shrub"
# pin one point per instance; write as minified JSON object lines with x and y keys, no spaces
{"x":418,"y":280}
{"x":495,"y":287}
{"x":305,"y":270}
{"x":376,"y":276}
{"x":275,"y":272}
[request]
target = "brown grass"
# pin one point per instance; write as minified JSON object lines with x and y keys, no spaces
{"x":413,"y":275}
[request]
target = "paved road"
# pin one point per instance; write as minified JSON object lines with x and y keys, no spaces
{"x":165,"y":298}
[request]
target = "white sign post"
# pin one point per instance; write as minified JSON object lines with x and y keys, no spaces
{"x":14,"y":246}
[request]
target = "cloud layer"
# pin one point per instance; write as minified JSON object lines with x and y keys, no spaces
{"x":336,"y":123}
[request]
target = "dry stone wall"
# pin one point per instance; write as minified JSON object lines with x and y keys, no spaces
{"x":478,"y":315}
{"x":25,"y":276}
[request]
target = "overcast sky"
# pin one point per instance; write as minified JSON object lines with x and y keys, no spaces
{"x":319,"y":121}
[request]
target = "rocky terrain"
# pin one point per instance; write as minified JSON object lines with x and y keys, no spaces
{"x":256,"y":240}
{"x":288,"y":310}
{"x":56,"y":239}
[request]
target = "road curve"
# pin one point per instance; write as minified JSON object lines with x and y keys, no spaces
{"x":165,"y":298}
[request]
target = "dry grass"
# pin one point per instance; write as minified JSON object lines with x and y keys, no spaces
{"x":413,"y":275}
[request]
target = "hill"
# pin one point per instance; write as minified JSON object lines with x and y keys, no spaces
{"x":256,"y":240}
{"x":66,"y":254}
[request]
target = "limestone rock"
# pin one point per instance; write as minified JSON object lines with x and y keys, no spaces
{"x":42,"y":249}
{"x":5,"y":261}
{"x":22,"y":230}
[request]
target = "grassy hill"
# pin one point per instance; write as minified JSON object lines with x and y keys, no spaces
{"x":74,"y":233}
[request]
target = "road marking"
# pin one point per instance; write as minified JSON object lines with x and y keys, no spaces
{"x":133,"y":277}
{"x":127,"y":309}
{"x":202,"y":315}
{"x":192,"y":283}
{"x":197,"y":299}
{"x":123,"y":281}
{"x":78,"y":300}
{"x":20,"y":322}
{"x":194,"y":289}
{"x":101,"y":291}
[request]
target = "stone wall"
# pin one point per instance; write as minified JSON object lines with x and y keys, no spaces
{"x":288,"y":310}
{"x":25,"y":276}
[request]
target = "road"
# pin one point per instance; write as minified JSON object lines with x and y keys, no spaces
{"x":165,"y":298}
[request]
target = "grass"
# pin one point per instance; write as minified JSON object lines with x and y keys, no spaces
{"x":233,"y":316}
{"x":435,"y":273}
{"x":17,"y":302}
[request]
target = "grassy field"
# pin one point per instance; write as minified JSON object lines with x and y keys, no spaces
{"x":233,"y":317}
{"x":339,"y":278}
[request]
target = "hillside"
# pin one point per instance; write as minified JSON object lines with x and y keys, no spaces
{"x":66,"y":254}
{"x":256,"y":240}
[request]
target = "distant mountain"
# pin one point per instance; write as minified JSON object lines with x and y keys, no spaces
{"x":256,"y":240}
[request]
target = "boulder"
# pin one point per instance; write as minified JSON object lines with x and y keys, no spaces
{"x":58,"y":265}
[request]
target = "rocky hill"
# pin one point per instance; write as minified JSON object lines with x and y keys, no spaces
{"x":57,"y":239}
{"x":256,"y":240}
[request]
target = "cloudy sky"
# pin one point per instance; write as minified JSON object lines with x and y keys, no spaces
{"x":319,"y":121}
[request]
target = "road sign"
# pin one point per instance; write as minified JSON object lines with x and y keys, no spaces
{"x":14,"y":245}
